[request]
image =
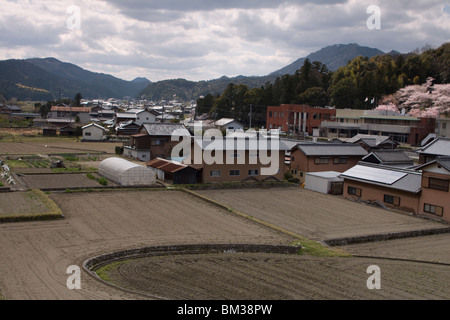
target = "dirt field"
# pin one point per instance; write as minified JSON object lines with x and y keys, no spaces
{"x":43,"y":181}
{"x":265,"y":276}
{"x":315,"y":215}
{"x":55,"y":146}
{"x":39,"y":253}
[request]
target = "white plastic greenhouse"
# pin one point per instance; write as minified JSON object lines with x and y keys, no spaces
{"x":126,"y":173}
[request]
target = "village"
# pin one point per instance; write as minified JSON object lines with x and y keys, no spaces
{"x":334,"y":182}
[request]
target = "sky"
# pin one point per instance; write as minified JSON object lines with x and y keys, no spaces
{"x":207,"y":39}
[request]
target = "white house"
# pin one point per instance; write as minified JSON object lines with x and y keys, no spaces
{"x":229,"y":125}
{"x":93,"y":132}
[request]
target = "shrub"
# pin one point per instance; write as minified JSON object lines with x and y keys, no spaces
{"x":103,"y":181}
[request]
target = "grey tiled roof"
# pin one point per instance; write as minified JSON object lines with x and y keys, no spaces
{"x":165,"y":129}
{"x":331,"y":149}
{"x":439,"y":146}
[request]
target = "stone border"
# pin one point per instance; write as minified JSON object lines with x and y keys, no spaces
{"x":385,"y":236}
{"x":92,"y":264}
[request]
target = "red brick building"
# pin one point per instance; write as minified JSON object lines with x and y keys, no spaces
{"x":296,"y":118}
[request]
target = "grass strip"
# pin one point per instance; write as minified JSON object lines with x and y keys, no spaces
{"x":54,"y":212}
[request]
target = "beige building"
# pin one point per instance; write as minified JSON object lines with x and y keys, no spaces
{"x":435,"y":197}
{"x":391,"y":187}
{"x":239,"y":161}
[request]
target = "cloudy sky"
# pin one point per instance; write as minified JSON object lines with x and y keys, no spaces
{"x":206,"y":39}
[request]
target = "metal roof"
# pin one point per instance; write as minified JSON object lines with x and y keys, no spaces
{"x":331,"y":149}
{"x":389,"y":177}
{"x":167,"y":165}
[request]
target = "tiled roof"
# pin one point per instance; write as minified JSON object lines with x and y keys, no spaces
{"x":331,"y":149}
{"x":165,"y":129}
{"x":439,"y":146}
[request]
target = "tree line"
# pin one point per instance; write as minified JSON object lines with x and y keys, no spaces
{"x":358,"y":85}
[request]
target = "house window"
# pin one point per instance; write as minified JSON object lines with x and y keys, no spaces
{"x":438,"y":184}
{"x":214,"y":173}
{"x":439,"y":211}
{"x":270,"y":114}
{"x":235,"y":173}
{"x":340,"y":160}
{"x":321,"y":160}
{"x":354,"y":191}
{"x":87,"y":134}
{"x":392,"y":200}
{"x":292,"y":158}
{"x":252,"y":173}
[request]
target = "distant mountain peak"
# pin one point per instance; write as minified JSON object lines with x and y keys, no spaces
{"x":333,"y":56}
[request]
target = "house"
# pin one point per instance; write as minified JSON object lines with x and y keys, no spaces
{"x":226,"y":124}
{"x":68,"y":130}
{"x":10,"y":109}
{"x":401,"y":128}
{"x":140,"y":116}
{"x":435,"y":197}
{"x":297,"y":118}
{"x":389,"y":187}
{"x":174,"y":172}
{"x":394,"y":158}
{"x":93,"y":132}
{"x":69,"y":114}
{"x":127,"y":128}
{"x":154,"y":140}
{"x":373,"y":142}
{"x":436,"y":148}
{"x":319,"y":157}
{"x":238,"y":160}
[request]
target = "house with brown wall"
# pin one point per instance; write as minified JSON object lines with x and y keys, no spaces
{"x":154,"y":140}
{"x":319,"y":157}
{"x":394,"y":188}
{"x":237,"y":161}
{"x":435,"y":197}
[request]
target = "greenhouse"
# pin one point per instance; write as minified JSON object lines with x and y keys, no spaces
{"x":126,"y":173}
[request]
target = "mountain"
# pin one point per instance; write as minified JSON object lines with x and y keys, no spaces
{"x":333,"y":57}
{"x":49,"y":78}
{"x":189,"y":90}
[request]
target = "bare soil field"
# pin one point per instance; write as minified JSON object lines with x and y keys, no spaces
{"x":55,"y":146}
{"x":39,"y":253}
{"x":36,"y":255}
{"x":49,"y":181}
{"x":315,"y":215}
{"x":268,"y":276}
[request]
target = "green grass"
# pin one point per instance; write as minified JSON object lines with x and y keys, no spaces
{"x":104,"y":272}
{"x":54,"y":212}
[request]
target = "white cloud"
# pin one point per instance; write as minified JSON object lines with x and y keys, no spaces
{"x":203,"y":39}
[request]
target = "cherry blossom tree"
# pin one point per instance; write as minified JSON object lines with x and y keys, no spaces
{"x":426,"y":100}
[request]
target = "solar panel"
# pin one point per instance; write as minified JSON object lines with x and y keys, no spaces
{"x":375,"y":174}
